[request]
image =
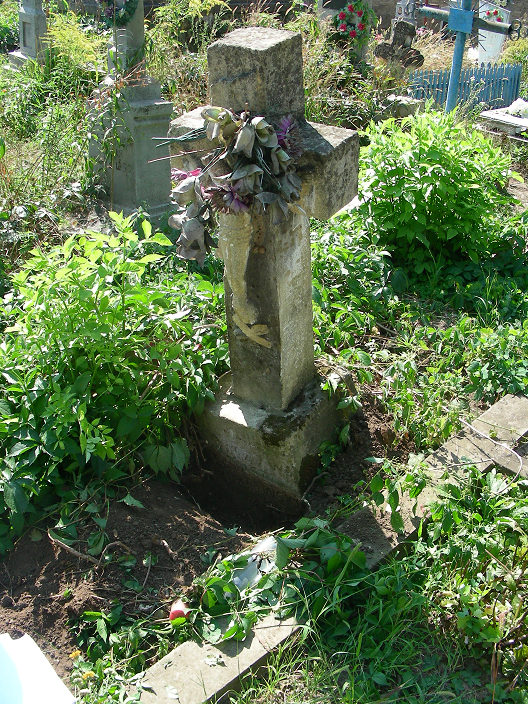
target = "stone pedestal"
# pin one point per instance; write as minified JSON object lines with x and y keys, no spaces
{"x":131,"y":181}
{"x":32,"y":29}
{"x":279,"y":448}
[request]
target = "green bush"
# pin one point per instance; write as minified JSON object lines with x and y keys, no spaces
{"x":517,"y":53}
{"x":8,"y":26}
{"x":100,"y":367}
{"x":432,"y":190}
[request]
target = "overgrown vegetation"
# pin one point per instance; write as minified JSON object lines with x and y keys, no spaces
{"x":110,"y":344}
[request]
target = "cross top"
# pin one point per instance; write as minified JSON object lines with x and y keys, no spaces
{"x":258,"y":66}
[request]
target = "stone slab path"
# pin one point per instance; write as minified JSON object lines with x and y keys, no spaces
{"x":196,"y":673}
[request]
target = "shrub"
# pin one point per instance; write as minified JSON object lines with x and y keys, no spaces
{"x":517,"y":53}
{"x":8,"y":27}
{"x":431,"y":188}
{"x":100,"y":366}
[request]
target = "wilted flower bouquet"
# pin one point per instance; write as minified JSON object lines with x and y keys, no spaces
{"x":354,"y":22}
{"x":251,"y":165}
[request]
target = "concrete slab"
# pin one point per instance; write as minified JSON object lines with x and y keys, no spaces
{"x":186,"y":671}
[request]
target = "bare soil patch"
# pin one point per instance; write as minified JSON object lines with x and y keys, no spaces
{"x":43,"y":587}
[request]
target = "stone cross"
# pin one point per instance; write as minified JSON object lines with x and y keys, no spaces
{"x":32,"y":29}
{"x":263,"y":67}
{"x":129,"y":41}
{"x":268,"y":279}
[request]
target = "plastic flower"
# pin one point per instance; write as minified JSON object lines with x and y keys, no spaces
{"x":361,"y":27}
{"x":342,"y":15}
{"x":342,"y":27}
{"x":225,"y":199}
{"x":350,"y":8}
{"x":178,"y":175}
{"x":289,"y":136}
{"x":192,"y":241}
{"x":359,"y":13}
{"x":353,"y":33}
{"x":495,"y":12}
{"x":264,"y":132}
{"x":499,"y":19}
{"x":245,"y":140}
{"x":248,"y":179}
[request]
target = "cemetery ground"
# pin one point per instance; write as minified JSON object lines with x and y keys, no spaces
{"x":95,"y":550}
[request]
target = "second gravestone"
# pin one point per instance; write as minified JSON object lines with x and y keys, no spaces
{"x":270,"y":416}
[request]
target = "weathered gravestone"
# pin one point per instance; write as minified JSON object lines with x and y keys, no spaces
{"x":32,"y":30}
{"x":130,"y":180}
{"x":270,"y":415}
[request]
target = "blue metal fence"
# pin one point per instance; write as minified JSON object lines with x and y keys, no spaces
{"x":494,"y":85}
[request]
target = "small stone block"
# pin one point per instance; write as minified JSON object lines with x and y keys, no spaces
{"x":260,"y":66}
{"x":506,"y":420}
{"x":279,"y":447}
{"x":328,"y":168}
{"x":186,"y":671}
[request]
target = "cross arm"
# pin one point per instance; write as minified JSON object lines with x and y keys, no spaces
{"x":464,"y":20}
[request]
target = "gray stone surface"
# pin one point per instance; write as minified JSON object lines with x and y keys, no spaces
{"x":278,"y":447}
{"x":133,"y":181}
{"x":32,"y":29}
{"x":129,"y":41}
{"x":260,"y":66}
{"x":185,"y":669}
{"x":507,"y":420}
{"x":267,"y":273}
{"x":279,"y":285}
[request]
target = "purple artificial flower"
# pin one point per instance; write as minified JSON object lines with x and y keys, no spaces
{"x":289,"y":136}
{"x":225,"y":199}
{"x":178,"y":175}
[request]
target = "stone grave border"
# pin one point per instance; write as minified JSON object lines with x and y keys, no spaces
{"x":186,"y":669}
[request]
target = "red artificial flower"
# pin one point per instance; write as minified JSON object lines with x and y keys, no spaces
{"x":488,"y":13}
{"x":342,"y":27}
{"x":359,"y":13}
{"x":495,"y":12}
{"x":499,"y":19}
{"x":352,"y":33}
{"x":342,"y":16}
{"x":361,"y":27}
{"x":350,"y":8}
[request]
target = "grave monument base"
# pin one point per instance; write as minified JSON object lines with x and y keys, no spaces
{"x":133,"y":182}
{"x":17,"y":59}
{"x":279,"y":448}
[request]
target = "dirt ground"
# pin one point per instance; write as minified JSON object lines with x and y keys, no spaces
{"x":42,"y":586}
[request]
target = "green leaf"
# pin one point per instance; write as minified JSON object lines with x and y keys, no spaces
{"x":159,"y":458}
{"x":376,"y":484}
{"x":161,"y":239}
{"x":283,"y":554}
{"x":131,"y":501}
{"x":397,"y":522}
{"x":379,"y":678}
{"x":364,"y":358}
{"x":15,"y":497}
{"x":102,"y":629}
{"x":128,"y":426}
